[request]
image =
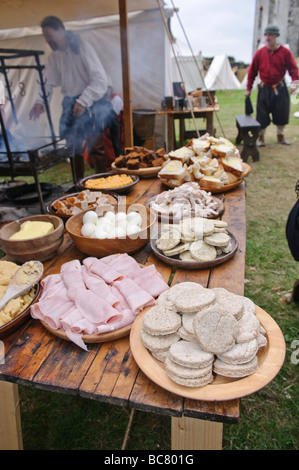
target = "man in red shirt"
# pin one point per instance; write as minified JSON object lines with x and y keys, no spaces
{"x":272,"y":62}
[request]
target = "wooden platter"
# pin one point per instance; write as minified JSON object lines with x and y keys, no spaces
{"x":142,"y":172}
{"x":178,"y":263}
{"x":170,"y":218}
{"x":270,"y":357}
{"x":225,"y":188}
{"x":89,"y":339}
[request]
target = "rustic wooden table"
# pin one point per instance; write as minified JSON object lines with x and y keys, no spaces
{"x":172,"y":115}
{"x":109,"y":373}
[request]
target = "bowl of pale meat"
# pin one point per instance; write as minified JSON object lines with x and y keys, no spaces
{"x":125,"y":230}
{"x":38,"y":237}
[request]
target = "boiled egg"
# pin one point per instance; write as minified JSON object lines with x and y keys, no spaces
{"x":87,"y":229}
{"x":134,"y":217}
{"x":90,"y":217}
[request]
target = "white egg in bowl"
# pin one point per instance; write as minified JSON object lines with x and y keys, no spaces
{"x":112,"y":232}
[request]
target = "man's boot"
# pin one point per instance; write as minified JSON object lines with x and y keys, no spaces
{"x":261,"y":141}
{"x":281,"y":140}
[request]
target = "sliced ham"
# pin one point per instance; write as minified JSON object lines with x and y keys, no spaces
{"x":126,"y":265}
{"x":95,"y":309}
{"x":52,"y":310}
{"x":71,"y":274}
{"x":151,"y":281}
{"x":97,"y":266}
{"x":97,"y":285}
{"x":136,"y":297}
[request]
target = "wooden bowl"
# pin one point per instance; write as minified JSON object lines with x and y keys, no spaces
{"x":39,"y":248}
{"x":120,"y":190}
{"x":109,"y":246}
{"x":113,"y":198}
{"x":21,"y":319}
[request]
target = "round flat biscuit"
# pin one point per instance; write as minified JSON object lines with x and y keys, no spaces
{"x":187,"y":321}
{"x":220,"y":223}
{"x":159,"y":355}
{"x":186,"y":372}
{"x":230,"y":301}
{"x":168,"y":240}
{"x":186,"y":256}
{"x":215,"y":330}
{"x":240,"y":353}
{"x":202,"y":251}
{"x":249,"y":327}
{"x":158,"y":343}
{"x":185,"y":335}
{"x":183,"y":288}
{"x":235,"y":370}
{"x":160,"y":320}
{"x":217,"y":239}
{"x":199,"y":382}
{"x":190,"y":354}
{"x":187,"y":303}
{"x":180,"y":248}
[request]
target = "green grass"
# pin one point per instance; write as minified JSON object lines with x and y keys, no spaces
{"x":269,"y":418}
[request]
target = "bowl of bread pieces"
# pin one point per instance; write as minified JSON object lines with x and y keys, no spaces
{"x":139,"y":161}
{"x":214,"y":163}
{"x":72,"y":204}
{"x":109,"y":231}
{"x":38,"y":235}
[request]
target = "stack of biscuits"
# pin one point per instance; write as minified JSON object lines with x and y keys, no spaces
{"x":198,"y":332}
{"x":195,"y":239}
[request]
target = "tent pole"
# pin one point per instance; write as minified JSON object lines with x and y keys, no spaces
{"x":123,"y":21}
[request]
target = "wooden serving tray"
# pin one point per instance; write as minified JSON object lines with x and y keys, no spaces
{"x":142,"y":172}
{"x":270,"y":357}
{"x":178,"y":263}
{"x":170,"y":217}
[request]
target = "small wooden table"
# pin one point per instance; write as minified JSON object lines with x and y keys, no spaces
{"x":172,"y":115}
{"x":109,"y":373}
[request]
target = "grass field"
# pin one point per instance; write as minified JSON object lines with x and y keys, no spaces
{"x":269,"y":418}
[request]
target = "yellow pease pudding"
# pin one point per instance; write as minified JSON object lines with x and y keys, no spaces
{"x":109,"y":182}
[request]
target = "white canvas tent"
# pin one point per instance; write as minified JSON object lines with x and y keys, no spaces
{"x":220,"y":75}
{"x":190,"y":66}
{"x":147,"y":58}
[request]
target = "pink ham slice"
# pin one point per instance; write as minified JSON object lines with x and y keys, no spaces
{"x":99,"y":287}
{"x":151,"y":281}
{"x":52,"y":310}
{"x":72,"y":276}
{"x":95,"y":309}
{"x":98,"y":267}
{"x":125,"y":264}
{"x":136,"y":297}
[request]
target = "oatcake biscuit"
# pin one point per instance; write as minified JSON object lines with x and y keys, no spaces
{"x":235,"y":370}
{"x":160,"y":355}
{"x":249,"y":327}
{"x":160,"y":320}
{"x":186,"y":256}
{"x":240,"y":353}
{"x":189,"y":354}
{"x":202,"y":251}
{"x":217,"y":239}
{"x":168,"y":240}
{"x":187,"y":321}
{"x":220,"y":223}
{"x":180,"y":248}
{"x":216,"y":331}
{"x":186,"y":372}
{"x":183,"y":288}
{"x":191,"y":302}
{"x":261,"y":340}
{"x":197,"y":382}
{"x":229,"y":301}
{"x":158,"y":343}
{"x":185,"y":335}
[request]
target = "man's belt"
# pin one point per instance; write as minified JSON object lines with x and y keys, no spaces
{"x":275,"y":86}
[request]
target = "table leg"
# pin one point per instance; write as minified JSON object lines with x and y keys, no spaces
{"x":210,"y":124}
{"x":170,"y":133}
{"x":195,"y":434}
{"x":10,"y":417}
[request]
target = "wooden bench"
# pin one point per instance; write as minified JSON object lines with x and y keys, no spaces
{"x":248,"y":129}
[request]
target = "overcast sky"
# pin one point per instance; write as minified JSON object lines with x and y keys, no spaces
{"x":216,"y":26}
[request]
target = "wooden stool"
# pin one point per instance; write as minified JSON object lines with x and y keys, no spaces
{"x":248,"y":129}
